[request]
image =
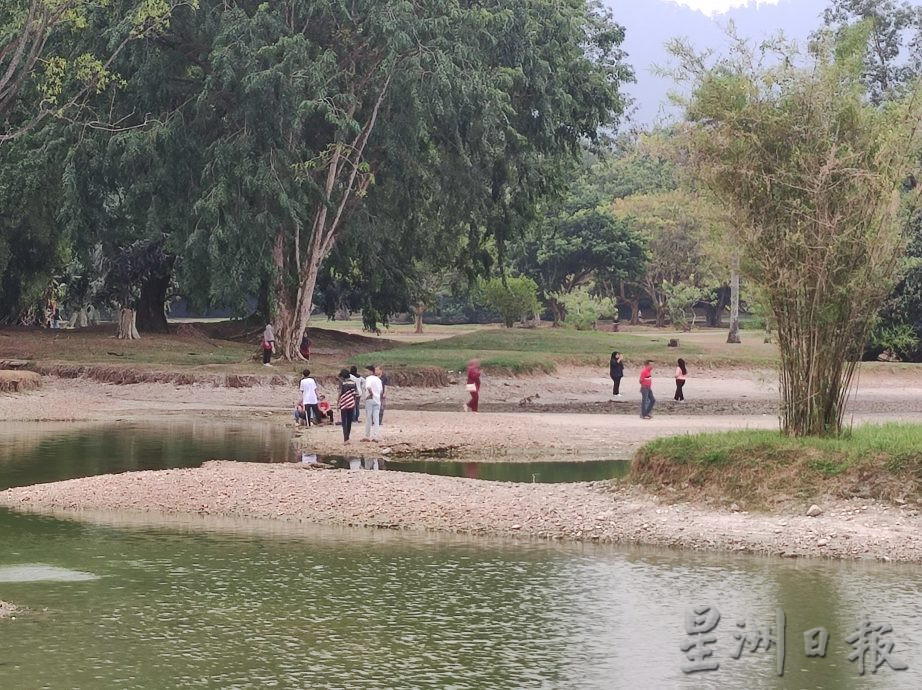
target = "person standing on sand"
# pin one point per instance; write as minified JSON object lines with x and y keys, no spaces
{"x":373,"y":390}
{"x":616,"y":372}
{"x":647,"y":401}
{"x":348,"y":401}
{"x":473,"y":385}
{"x":681,"y":373}
{"x":309,"y":398}
{"x":359,"y":389}
{"x":268,"y":345}
{"x":385,"y":382}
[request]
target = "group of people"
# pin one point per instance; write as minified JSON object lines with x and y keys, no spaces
{"x":355,"y":392}
{"x":647,"y":399}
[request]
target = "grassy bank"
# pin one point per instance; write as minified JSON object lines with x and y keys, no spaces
{"x":525,"y":351}
{"x":763,"y":469}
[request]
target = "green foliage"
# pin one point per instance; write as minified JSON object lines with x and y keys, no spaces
{"x":810,"y":171}
{"x":680,"y":299}
{"x":515,"y":300}
{"x":583,"y":309}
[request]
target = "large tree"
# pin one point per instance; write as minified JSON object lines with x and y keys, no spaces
{"x":481,"y":91}
{"x":813,"y":171}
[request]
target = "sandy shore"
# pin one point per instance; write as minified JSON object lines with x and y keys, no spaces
{"x":596,"y":512}
{"x":566,"y":416}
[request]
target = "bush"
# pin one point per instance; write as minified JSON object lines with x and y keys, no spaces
{"x":514,"y":301}
{"x":582,"y":309}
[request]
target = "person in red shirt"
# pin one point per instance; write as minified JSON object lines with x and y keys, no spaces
{"x":647,"y":401}
{"x":473,"y":385}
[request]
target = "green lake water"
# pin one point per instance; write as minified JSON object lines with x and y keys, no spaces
{"x":191,"y":602}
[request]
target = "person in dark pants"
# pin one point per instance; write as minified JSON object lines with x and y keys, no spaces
{"x":647,"y":401}
{"x":359,"y":390}
{"x":385,"y":381}
{"x":681,"y":373}
{"x":348,"y":401}
{"x":268,"y":345}
{"x":616,"y":372}
{"x":309,"y":399}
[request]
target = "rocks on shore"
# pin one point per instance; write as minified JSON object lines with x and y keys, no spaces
{"x":598,"y":511}
{"x":7,"y":610}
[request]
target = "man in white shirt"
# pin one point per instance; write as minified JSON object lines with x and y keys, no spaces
{"x":309,"y":397}
{"x":373,"y":390}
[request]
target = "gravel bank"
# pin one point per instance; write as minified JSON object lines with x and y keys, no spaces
{"x":582,"y":512}
{"x":7,"y":609}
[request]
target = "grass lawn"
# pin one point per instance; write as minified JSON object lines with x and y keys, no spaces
{"x":759,"y":469}
{"x":522,"y":350}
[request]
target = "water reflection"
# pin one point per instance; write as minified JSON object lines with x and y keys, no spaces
{"x":38,"y":453}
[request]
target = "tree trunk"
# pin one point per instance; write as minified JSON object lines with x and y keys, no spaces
{"x":418,"y":312}
{"x":634,"y":304}
{"x":151,"y":315}
{"x":660,"y":315}
{"x":734,"y":335}
{"x":127,"y":325}
{"x":81,"y":319}
{"x":715,"y":312}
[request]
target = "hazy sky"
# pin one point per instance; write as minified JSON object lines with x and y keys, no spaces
{"x":713,"y":7}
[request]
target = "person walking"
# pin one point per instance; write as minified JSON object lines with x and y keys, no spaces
{"x":616,"y":372}
{"x":309,"y":398}
{"x":268,"y":345}
{"x":373,"y":390}
{"x":681,"y":373}
{"x":473,"y":385}
{"x":647,"y":401}
{"x":348,"y":401}
{"x":359,"y":389}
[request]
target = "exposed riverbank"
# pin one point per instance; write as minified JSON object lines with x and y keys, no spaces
{"x":594,"y":512}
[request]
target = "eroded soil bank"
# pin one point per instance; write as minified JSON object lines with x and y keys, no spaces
{"x":597,"y":512}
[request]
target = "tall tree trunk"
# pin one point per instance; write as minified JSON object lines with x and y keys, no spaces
{"x":151,"y":315}
{"x":716,"y":311}
{"x":634,"y":304}
{"x":127,"y":325}
{"x":282,"y":310}
{"x":418,"y":312}
{"x":734,"y":335}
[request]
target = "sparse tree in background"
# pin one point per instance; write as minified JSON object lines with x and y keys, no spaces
{"x":814,"y":171}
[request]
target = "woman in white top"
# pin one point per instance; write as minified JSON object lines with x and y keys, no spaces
{"x":681,"y":373}
{"x":309,"y":397}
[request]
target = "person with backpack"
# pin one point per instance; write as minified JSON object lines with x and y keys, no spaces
{"x":359,"y":382}
{"x":348,"y":401}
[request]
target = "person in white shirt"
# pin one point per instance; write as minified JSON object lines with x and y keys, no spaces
{"x":309,"y":397}
{"x":373,"y":390}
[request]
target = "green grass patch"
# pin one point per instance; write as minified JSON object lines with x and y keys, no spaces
{"x":521,"y":350}
{"x":759,"y":469}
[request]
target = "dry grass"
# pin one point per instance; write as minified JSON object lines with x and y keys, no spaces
{"x":19,"y":381}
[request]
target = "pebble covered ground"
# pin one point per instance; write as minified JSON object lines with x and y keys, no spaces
{"x":596,"y":512}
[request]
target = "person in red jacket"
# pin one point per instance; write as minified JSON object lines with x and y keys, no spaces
{"x":473,"y":385}
{"x":647,"y":401}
